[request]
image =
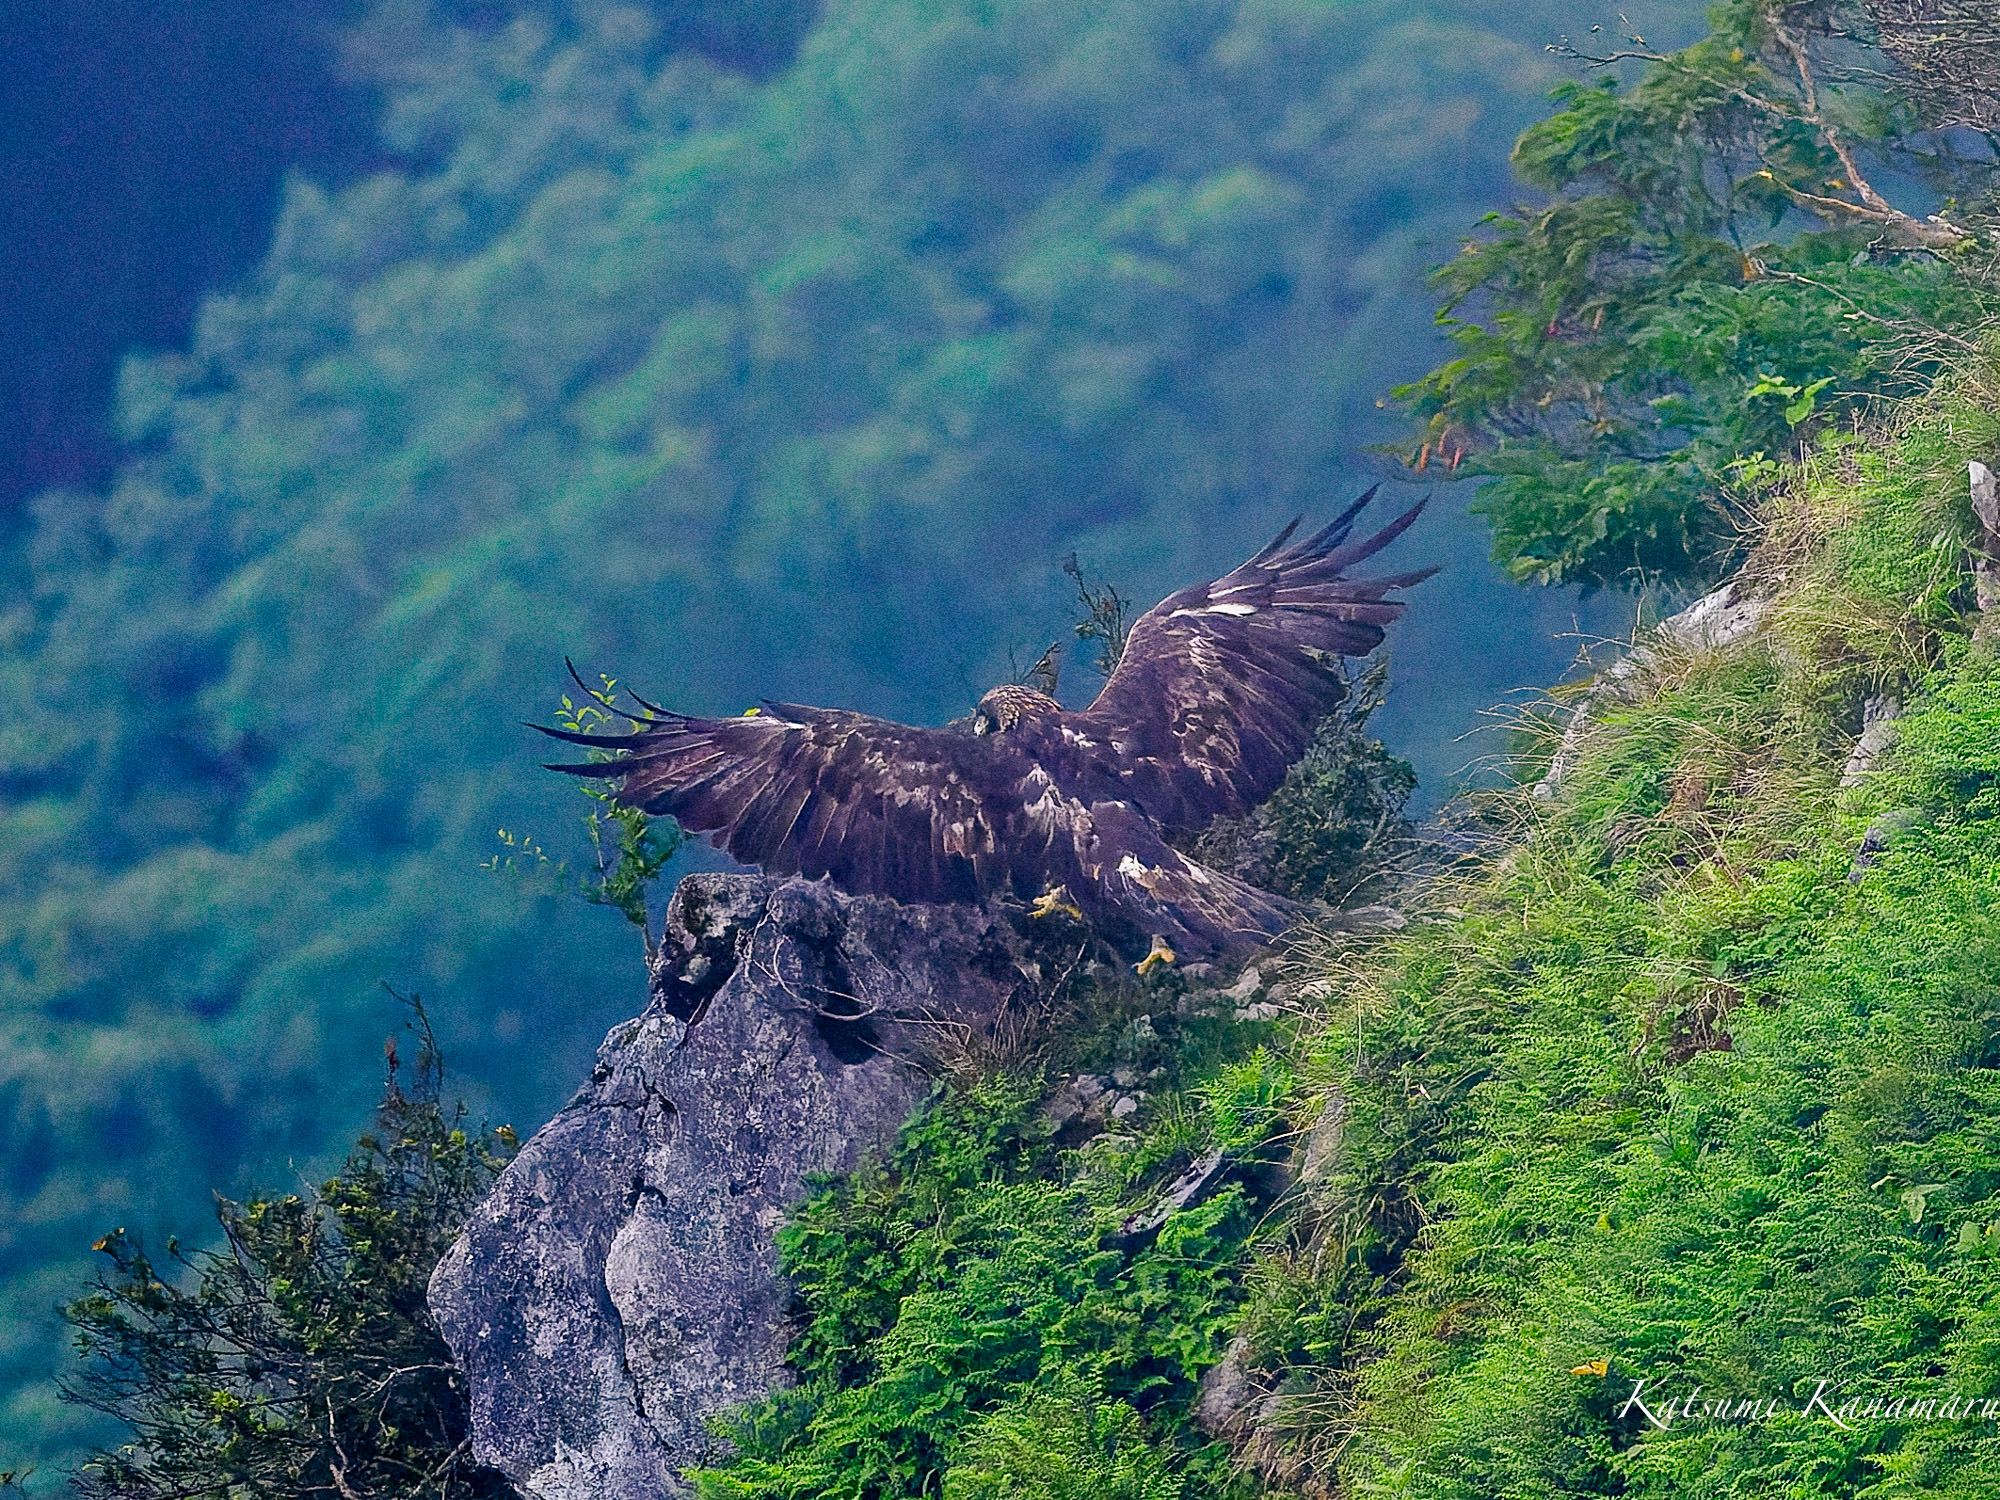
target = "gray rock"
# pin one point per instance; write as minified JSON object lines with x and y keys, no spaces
{"x":1374,"y":918}
{"x":1247,"y":984}
{"x":1321,"y":1145}
{"x":1078,"y":1105}
{"x":1228,"y":1392}
{"x":1986,"y":551}
{"x":619,"y":1286}
{"x":1189,"y":1188}
{"x":1881,"y":835}
{"x":1716,"y":622}
{"x":1878,"y":735}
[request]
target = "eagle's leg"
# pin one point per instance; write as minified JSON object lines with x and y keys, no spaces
{"x":1159,"y":958}
{"x":1055,"y":899}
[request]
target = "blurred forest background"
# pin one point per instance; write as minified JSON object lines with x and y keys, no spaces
{"x":734,"y":349}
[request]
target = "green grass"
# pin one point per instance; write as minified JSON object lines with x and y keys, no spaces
{"x":975,"y":1322}
{"x":1670,"y":1091}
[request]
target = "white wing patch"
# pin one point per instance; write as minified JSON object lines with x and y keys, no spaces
{"x":1130,"y":867}
{"x":1216,"y":609}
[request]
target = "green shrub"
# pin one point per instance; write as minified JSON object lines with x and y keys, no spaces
{"x":1066,"y":1443}
{"x":1635,"y":350}
{"x":300,"y":1359}
{"x":977,"y":1320}
{"x":1336,"y":824}
{"x":629,"y":851}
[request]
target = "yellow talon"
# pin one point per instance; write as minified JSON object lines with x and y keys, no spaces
{"x":1593,"y":1367}
{"x":751,"y":713}
{"x":1159,"y":958}
{"x":1050,"y":902}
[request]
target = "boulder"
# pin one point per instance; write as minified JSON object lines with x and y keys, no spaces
{"x":619,"y":1287}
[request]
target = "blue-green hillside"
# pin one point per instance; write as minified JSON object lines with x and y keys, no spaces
{"x":1643,"y":1139}
{"x":799,"y":384}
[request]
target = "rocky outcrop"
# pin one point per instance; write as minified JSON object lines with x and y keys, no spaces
{"x":620,"y":1285}
{"x":1878,"y":735}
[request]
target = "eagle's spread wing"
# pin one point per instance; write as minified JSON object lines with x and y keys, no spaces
{"x":1211,"y":704}
{"x":920,"y":814}
{"x":1218,"y":688}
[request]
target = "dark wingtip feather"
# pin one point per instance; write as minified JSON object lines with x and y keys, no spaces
{"x":571,"y":736}
{"x":1385,"y":536}
{"x":652,"y":709}
{"x":1335,"y":531}
{"x":1410,"y":580}
{"x":602,"y":768}
{"x":1276,"y":542}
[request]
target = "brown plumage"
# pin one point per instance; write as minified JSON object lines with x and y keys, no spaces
{"x":1214,"y":698}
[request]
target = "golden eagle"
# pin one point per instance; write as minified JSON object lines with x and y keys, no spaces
{"x":1213,"y":699}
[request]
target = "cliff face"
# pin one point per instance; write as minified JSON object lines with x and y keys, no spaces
{"x":620,"y":1285}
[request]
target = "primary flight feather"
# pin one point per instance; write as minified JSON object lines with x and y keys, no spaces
{"x":1213,"y":699}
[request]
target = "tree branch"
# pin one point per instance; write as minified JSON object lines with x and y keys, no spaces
{"x":1934,"y":234}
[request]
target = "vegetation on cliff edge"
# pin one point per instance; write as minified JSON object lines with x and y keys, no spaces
{"x":1666,"y":1082}
{"x":1714,"y":280}
{"x":299,"y":1358}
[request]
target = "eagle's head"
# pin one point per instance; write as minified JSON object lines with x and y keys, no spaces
{"x":1007,"y":705}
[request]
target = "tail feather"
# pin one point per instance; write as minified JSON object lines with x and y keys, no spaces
{"x":1153,"y":890}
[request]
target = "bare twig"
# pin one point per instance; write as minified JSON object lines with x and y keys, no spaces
{"x":1935,"y":233}
{"x":1944,"y":51}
